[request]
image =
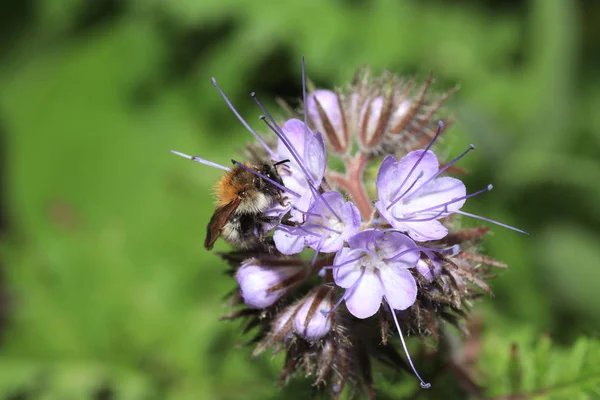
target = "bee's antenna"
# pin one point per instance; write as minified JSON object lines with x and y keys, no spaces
{"x":243,"y":121}
{"x":255,"y":172}
{"x":281,"y":162}
{"x":201,"y":160}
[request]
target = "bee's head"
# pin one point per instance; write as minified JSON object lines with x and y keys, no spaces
{"x":270,"y":171}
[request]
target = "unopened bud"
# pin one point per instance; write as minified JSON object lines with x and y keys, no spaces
{"x":430,"y":267}
{"x":310,"y":322}
{"x":324,"y":109}
{"x":283,"y":324}
{"x":263,"y":282}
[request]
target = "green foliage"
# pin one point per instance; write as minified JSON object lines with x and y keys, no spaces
{"x":521,"y":365}
{"x":110,"y":289}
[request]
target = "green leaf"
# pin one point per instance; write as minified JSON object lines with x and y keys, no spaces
{"x":520,"y":365}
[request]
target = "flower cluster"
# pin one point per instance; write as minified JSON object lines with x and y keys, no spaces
{"x":394,"y":258}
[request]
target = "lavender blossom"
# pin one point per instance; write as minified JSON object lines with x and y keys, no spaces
{"x":306,"y":169}
{"x":373,"y":266}
{"x":329,"y":223}
{"x":412,"y":198}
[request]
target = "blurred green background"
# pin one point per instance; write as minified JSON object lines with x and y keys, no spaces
{"x":107,"y":291}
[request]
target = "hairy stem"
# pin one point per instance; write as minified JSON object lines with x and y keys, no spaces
{"x":352,"y":183}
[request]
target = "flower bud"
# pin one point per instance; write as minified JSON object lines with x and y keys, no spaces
{"x":325,"y":359}
{"x":283,"y":324}
{"x":310,"y":322}
{"x":430,"y":267}
{"x":263,"y":282}
{"x":324,"y":108}
{"x":370,"y":124}
{"x":379,"y":118}
{"x":282,"y":331}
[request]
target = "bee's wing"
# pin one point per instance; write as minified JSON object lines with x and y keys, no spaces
{"x":218,"y":220}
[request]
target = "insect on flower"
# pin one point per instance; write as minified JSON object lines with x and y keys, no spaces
{"x":243,"y":195}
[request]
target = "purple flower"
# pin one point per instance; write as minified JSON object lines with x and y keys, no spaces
{"x":309,"y":322}
{"x":306,"y":167}
{"x":330,"y":221}
{"x":376,"y":266}
{"x":412,"y":198}
{"x":263,"y":282}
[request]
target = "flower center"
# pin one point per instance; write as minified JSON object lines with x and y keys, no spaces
{"x":398,"y":209}
{"x":372,"y":262}
{"x":335,"y":224}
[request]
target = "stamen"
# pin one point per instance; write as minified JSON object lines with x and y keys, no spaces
{"x":319,"y":196}
{"x":277,"y":130}
{"x":424,"y":385}
{"x":487,"y":189}
{"x":315,"y":225}
{"x":304,"y":96}
{"x":256,"y":136}
{"x":367,"y":250}
{"x":441,"y":171}
{"x":278,"y":223}
{"x":201,"y":160}
{"x":454,"y":250}
{"x":271,"y":181}
{"x":290,"y":229}
{"x":430,"y":218}
{"x":324,"y":228}
{"x":439,"y":130}
{"x":493,"y":222}
{"x":346,"y":294}
{"x":451,"y":163}
{"x":303,"y":228}
{"x":318,"y":250}
{"x":397,"y":199}
{"x":308,"y":213}
{"x":345,"y":262}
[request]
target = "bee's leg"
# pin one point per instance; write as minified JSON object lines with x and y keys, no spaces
{"x":283,"y":200}
{"x":277,"y":221}
{"x":287,"y":222}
